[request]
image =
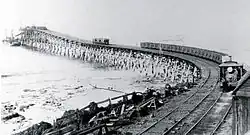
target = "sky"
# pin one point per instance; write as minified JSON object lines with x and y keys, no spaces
{"x":221,"y":25}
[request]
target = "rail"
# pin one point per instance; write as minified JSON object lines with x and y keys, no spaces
{"x":206,"y":114}
{"x":187,"y":99}
{"x":222,"y":120}
{"x":203,"y":115}
{"x":144,"y":131}
{"x":193,"y":110}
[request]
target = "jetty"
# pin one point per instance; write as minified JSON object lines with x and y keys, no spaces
{"x":186,"y":109}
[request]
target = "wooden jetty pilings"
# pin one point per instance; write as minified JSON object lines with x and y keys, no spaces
{"x":149,"y":64}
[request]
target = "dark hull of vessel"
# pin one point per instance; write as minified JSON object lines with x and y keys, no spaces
{"x":16,"y":44}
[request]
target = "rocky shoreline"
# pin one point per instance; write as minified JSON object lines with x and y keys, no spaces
{"x":121,"y":110}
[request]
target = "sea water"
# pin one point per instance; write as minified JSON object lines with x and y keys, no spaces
{"x":50,"y":85}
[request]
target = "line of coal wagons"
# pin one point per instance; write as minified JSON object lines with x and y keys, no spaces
{"x":230,"y":71}
{"x":207,"y":54}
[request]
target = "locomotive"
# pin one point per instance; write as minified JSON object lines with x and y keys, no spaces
{"x":230,"y":73}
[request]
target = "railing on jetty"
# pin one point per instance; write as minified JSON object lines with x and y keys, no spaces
{"x":109,"y":101}
{"x":69,"y":129}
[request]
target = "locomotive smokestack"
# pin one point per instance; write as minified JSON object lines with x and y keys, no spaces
{"x":230,"y":58}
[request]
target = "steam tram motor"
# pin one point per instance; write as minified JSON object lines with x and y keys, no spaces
{"x":104,"y":41}
{"x":230,"y":74}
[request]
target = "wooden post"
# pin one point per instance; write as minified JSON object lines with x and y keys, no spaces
{"x":152,"y":104}
{"x":244,"y":114}
{"x":137,"y":109}
{"x":234,"y":123}
{"x":122,"y":109}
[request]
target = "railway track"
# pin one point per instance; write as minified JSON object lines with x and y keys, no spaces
{"x":210,"y":122}
{"x":198,"y":120}
{"x":179,"y":118}
{"x":177,"y":109}
{"x":186,"y":109}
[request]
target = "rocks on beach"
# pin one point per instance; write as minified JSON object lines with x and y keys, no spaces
{"x":10,"y":108}
{"x":25,"y":107}
{"x":28,"y":90}
{"x":36,"y":129}
{"x":80,"y":119}
{"x":13,"y":115}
